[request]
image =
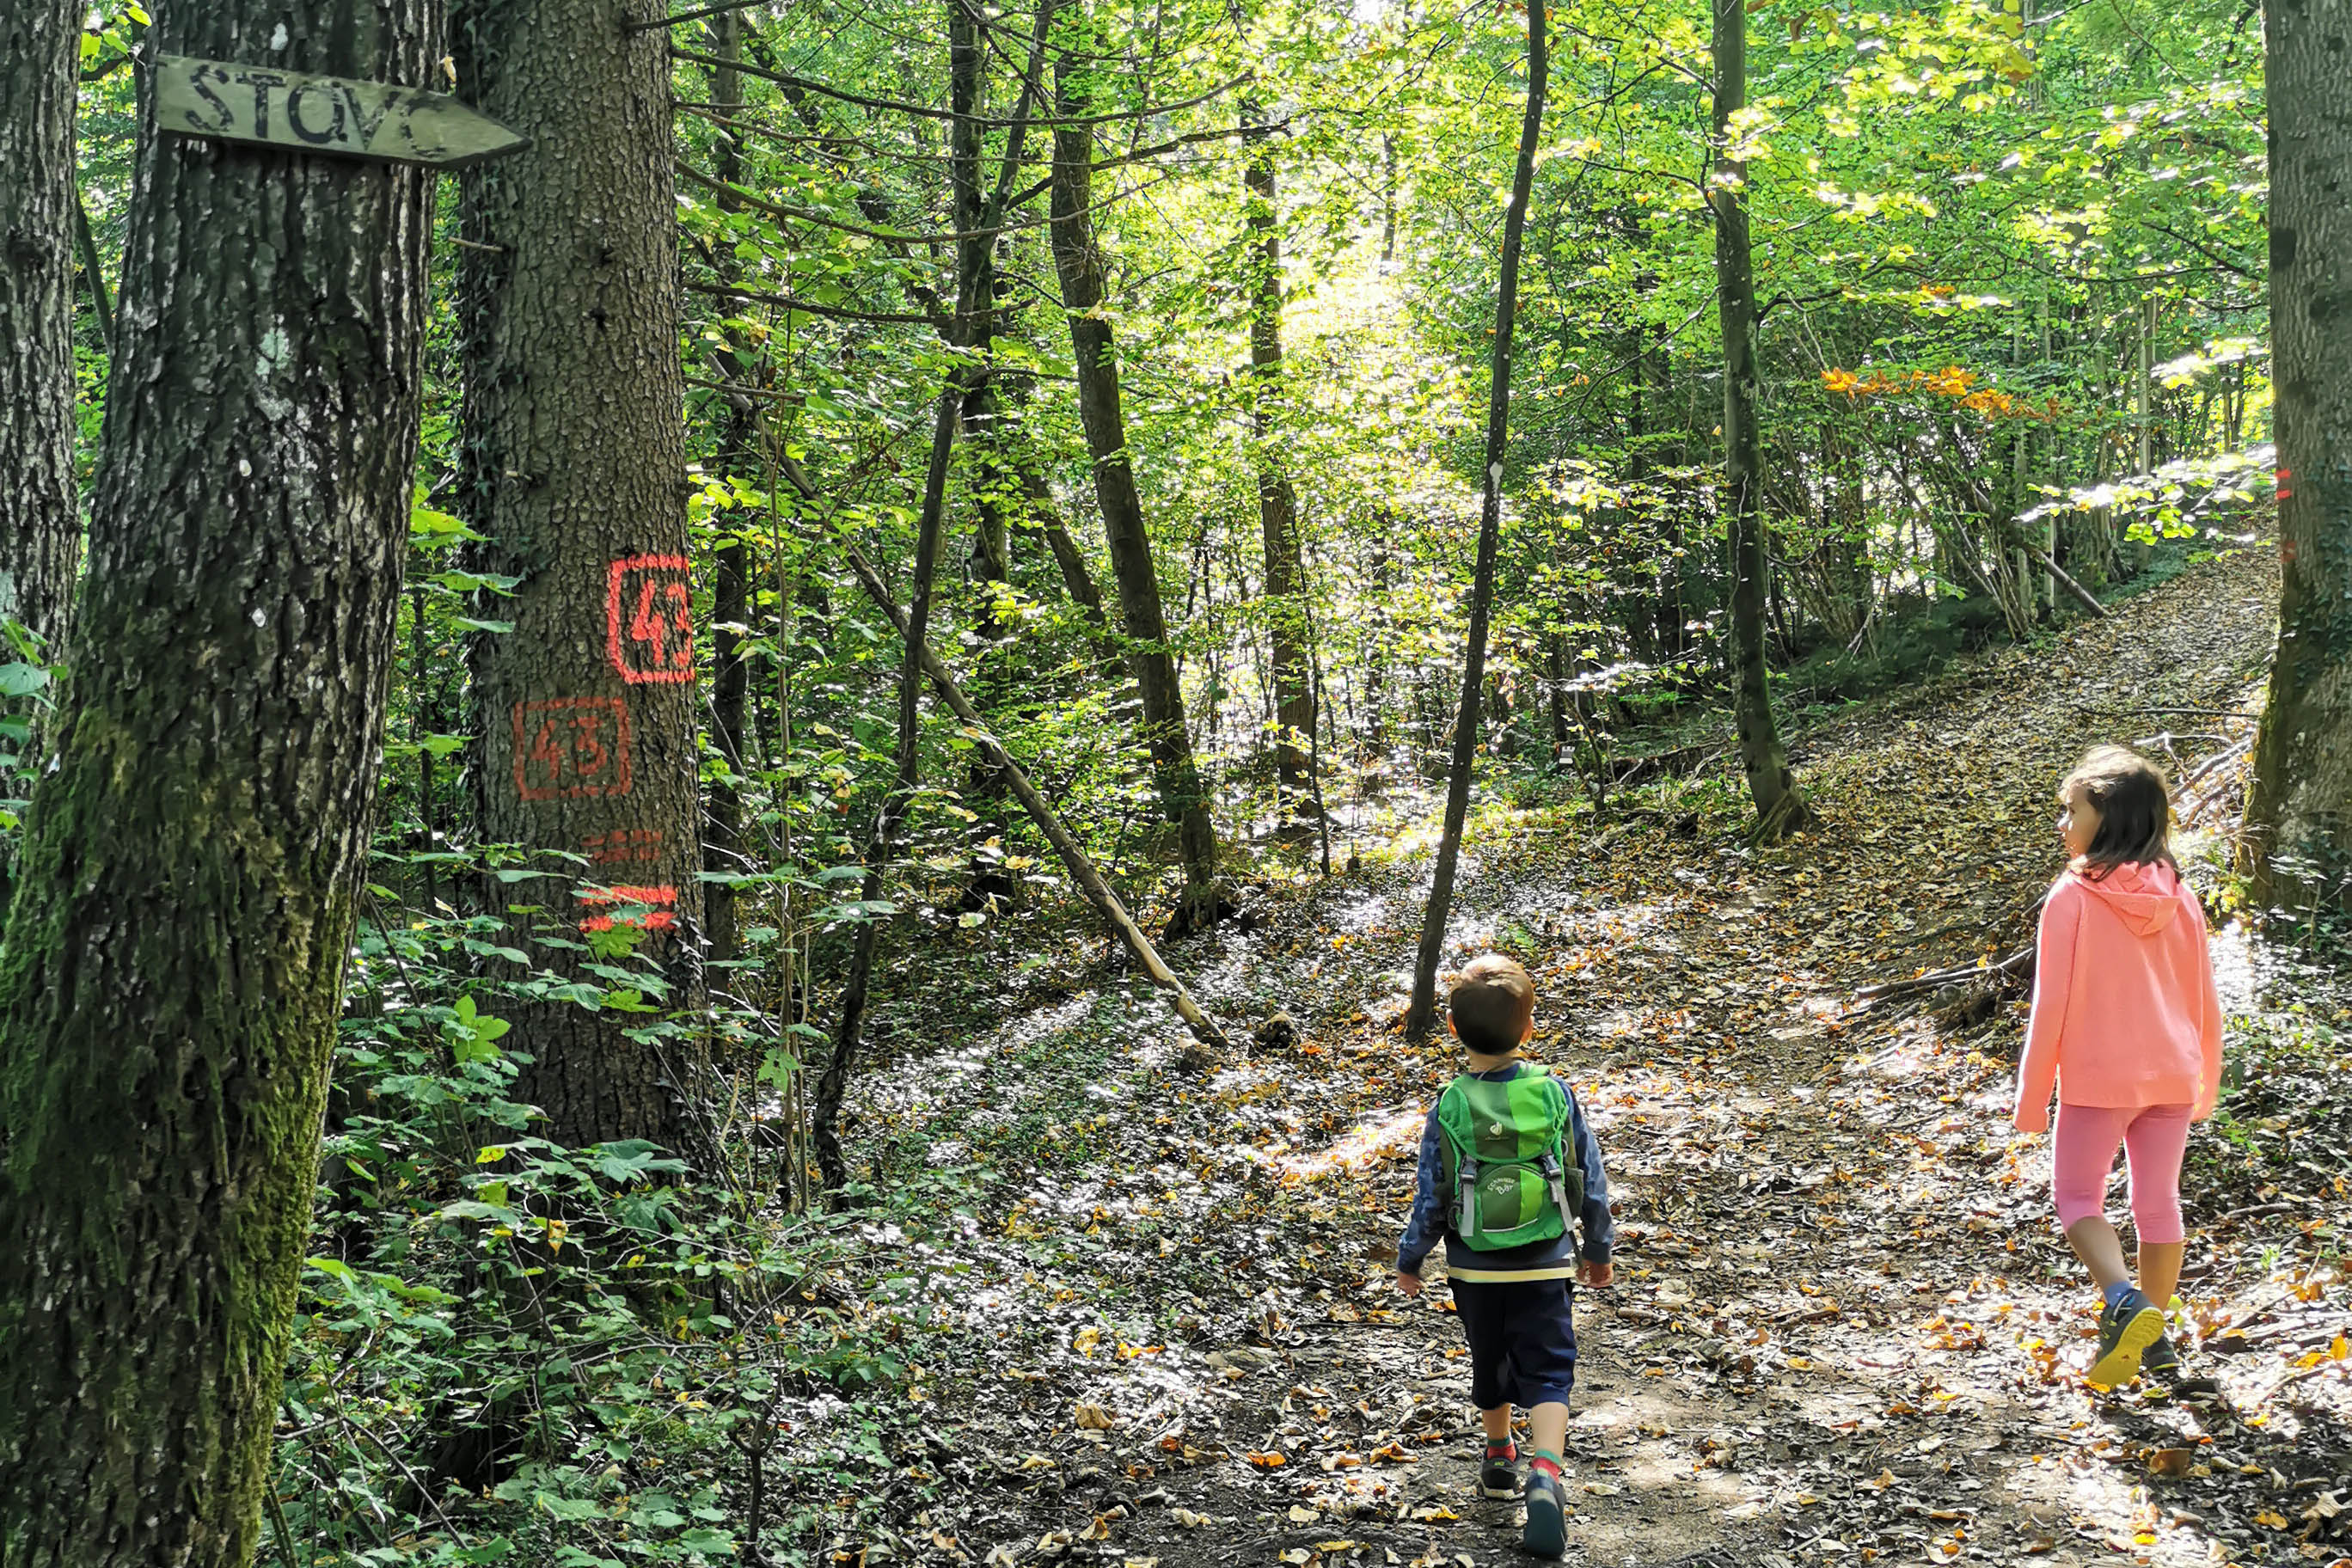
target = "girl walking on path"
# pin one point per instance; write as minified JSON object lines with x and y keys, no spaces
{"x":2127,"y":1025}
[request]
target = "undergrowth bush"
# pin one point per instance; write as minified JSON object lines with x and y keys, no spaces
{"x":507,"y":1351}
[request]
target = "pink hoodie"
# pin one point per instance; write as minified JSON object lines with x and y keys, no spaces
{"x":2124,"y":1013}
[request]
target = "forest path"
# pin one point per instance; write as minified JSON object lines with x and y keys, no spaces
{"x":1843,"y":1327}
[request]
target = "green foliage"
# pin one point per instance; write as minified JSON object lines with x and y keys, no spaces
{"x":624,"y":1345}
{"x":1972,"y":222}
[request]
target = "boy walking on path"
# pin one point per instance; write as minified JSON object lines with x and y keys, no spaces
{"x":1508,"y":1173}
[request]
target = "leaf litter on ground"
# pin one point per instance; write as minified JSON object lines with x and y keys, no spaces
{"x":1844,"y":1327}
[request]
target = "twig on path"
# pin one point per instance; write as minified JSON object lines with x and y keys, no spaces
{"x":2219,"y":759}
{"x":2204,"y":788}
{"x":2194,"y":712}
{"x":1956,"y":976}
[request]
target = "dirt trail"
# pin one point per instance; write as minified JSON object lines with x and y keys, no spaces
{"x":1843,"y":1327}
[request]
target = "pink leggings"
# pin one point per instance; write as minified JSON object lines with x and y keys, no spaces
{"x":2084,"y":1153}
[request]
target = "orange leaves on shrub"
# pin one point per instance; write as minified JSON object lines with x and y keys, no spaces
{"x":1952,"y":382}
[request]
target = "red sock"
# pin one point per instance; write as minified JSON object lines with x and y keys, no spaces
{"x":1505,"y":1449}
{"x":1546,"y":1463}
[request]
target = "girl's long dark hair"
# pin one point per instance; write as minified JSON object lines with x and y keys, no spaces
{"x":2135,"y":806}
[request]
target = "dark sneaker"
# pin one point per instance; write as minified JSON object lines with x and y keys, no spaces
{"x":1498,"y":1474}
{"x":1547,"y":1531}
{"x":2162,"y":1364}
{"x":2126,"y":1330}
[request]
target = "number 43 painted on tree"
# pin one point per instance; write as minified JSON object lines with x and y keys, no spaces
{"x":649,"y":619}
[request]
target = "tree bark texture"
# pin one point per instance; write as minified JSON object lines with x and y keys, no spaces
{"x":1278,"y":502}
{"x":41,"y":68}
{"x":573,"y":469}
{"x":196,"y":848}
{"x":1176,"y":777}
{"x":2299,"y":813}
{"x":1422,"y":1010}
{"x":1779,"y":806}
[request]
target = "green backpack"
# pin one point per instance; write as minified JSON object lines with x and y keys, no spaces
{"x":1507,"y":1163}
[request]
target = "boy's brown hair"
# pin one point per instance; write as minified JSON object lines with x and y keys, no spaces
{"x":1491,"y":1004}
{"x":2135,"y":808}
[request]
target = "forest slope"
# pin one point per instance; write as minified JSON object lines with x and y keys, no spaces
{"x":1844,"y":1326}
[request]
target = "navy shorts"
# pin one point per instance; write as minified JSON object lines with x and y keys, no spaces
{"x":1522,"y":1335}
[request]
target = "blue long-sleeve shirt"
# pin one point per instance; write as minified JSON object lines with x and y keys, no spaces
{"x":1432,"y":1213}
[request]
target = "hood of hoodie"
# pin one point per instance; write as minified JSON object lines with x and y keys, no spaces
{"x":2146,"y":898}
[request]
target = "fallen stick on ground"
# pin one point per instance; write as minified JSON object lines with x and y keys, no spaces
{"x":2194,"y":712}
{"x":1960,"y":975}
{"x":2217,"y":760}
{"x":1073,"y":858}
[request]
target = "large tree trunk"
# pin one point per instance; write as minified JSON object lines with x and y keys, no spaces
{"x":1779,"y":806}
{"x":175,"y":957}
{"x":575,"y":471}
{"x":1278,"y":503}
{"x":2299,"y":814}
{"x":1183,"y":794}
{"x":1422,"y":1010}
{"x":41,"y":65}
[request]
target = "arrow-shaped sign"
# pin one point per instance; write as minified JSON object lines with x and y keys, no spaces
{"x":323,"y":114}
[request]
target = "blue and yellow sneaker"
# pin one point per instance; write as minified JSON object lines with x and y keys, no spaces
{"x":2128,"y":1326}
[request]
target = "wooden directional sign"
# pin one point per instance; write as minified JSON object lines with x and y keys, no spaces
{"x":323,"y":114}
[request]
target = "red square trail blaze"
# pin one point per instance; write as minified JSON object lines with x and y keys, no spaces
{"x":648,"y":619}
{"x":572,"y":746}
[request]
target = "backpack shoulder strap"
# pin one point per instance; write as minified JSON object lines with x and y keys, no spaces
{"x":1453,"y":1111}
{"x":1458,"y":1144}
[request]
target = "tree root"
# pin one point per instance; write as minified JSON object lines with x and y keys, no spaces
{"x":1792,"y":814}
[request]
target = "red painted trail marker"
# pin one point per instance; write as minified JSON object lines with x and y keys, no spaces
{"x":621,"y":847}
{"x":649,"y":619}
{"x":567,"y":747}
{"x":659,"y":905}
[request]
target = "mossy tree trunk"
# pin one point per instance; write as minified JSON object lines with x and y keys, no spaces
{"x":2299,"y":814}
{"x":174,"y":956}
{"x":41,"y":64}
{"x":1780,"y":806}
{"x":1176,"y":775}
{"x":575,"y":470}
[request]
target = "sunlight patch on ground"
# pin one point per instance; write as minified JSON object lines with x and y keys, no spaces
{"x":2237,"y":973}
{"x":1377,"y":1137}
